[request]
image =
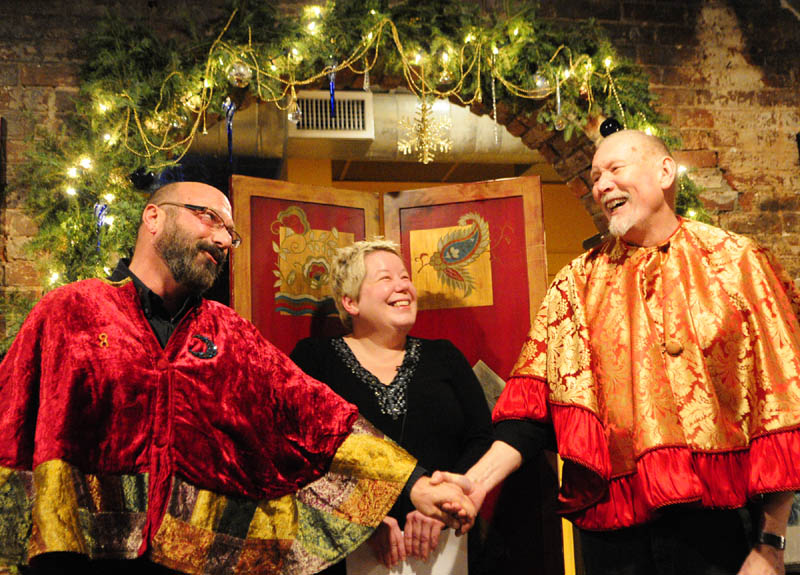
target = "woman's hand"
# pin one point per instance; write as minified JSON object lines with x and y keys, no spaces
{"x":421,"y":535}
{"x":387,"y":543}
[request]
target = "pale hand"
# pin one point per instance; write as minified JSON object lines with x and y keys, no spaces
{"x":474,"y":489}
{"x":421,"y":535}
{"x":387,"y":543}
{"x":445,"y":502}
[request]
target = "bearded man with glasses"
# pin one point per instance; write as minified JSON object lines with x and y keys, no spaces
{"x":145,"y":429}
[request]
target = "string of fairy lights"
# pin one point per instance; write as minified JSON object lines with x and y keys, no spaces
{"x":451,"y":72}
{"x":571,"y":85}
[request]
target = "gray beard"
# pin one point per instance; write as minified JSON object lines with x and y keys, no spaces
{"x":620,"y":225}
{"x":180,"y":255}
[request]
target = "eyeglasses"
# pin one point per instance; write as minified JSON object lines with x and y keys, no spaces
{"x":210,"y":218}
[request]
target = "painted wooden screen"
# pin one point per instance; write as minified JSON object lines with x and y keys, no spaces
{"x":476,"y":254}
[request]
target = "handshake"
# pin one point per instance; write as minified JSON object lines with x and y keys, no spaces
{"x":451,"y":498}
{"x":445,"y":499}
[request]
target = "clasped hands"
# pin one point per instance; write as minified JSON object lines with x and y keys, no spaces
{"x":443,"y":500}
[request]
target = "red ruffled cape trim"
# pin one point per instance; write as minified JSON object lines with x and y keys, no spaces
{"x":668,"y":475}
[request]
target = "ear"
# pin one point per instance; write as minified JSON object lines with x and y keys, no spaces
{"x":667,"y":172}
{"x":350,"y":305}
{"x":151,"y":217}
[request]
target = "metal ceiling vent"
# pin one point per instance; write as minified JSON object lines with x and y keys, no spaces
{"x":353,"y":119}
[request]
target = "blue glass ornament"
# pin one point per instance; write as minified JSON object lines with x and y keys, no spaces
{"x":229,"y":107}
{"x":100,"y":211}
{"x":332,"y":84}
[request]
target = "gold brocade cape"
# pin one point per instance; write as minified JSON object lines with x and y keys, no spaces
{"x":671,"y":374}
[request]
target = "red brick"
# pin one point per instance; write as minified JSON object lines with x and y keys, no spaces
{"x":626,"y":33}
{"x":719,"y":202}
{"x":9,"y":74}
{"x":677,"y":35}
{"x":21,"y":273}
{"x":780,"y":97}
{"x":752,"y":223}
{"x":18,"y":224}
{"x":647,"y":12}
{"x":681,"y":75}
{"x":697,"y":158}
{"x":573,"y":164}
{"x":668,"y":96}
{"x":584,"y":9}
{"x":535,"y":136}
{"x":578,"y":187}
{"x":516,"y":128}
{"x":547,"y":151}
{"x":696,"y":139}
{"x":504,"y":114}
{"x":695,"y":118}
{"x":791,"y":223}
{"x":656,"y":54}
{"x":61,"y":75}
{"x":19,"y":125}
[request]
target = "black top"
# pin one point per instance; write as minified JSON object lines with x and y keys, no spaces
{"x":159,"y":318}
{"x":446,"y":423}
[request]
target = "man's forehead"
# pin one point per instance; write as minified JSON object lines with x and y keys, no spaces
{"x":202,"y":194}
{"x":619,"y":148}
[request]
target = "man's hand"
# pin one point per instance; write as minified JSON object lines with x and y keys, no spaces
{"x":421,"y":535}
{"x":763,"y":560}
{"x":445,"y":502}
{"x":475,"y":490}
{"x":387,"y":543}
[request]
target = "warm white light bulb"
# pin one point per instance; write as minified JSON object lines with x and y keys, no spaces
{"x":681,"y":169}
{"x":607,"y":62}
{"x":109,"y":221}
{"x":54,"y":277}
{"x":109,"y":198}
{"x":71,"y":191}
{"x":72,"y":172}
{"x":85,"y":163}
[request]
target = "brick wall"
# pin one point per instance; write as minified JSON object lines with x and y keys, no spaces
{"x":726,"y":72}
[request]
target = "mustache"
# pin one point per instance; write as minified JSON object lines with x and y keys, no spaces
{"x":216,"y":252}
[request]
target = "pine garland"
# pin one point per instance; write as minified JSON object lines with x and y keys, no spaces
{"x":144,"y":97}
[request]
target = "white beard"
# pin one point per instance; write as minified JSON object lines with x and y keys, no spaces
{"x":618,"y":226}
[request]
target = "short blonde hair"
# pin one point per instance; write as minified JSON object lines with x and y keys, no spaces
{"x":348,"y":271}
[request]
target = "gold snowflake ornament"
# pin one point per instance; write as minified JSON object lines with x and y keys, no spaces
{"x":424,"y":134}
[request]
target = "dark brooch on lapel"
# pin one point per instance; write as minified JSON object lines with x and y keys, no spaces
{"x":207,"y":353}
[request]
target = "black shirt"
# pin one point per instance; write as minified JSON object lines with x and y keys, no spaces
{"x":155,"y":311}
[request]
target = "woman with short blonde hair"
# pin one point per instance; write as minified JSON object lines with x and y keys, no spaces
{"x":420,"y":392}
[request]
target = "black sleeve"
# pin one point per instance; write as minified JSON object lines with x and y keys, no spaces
{"x":478,"y":434}
{"x":526,"y":436}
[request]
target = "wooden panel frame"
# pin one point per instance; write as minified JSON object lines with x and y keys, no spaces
{"x":526,"y":187}
{"x":244,"y":188}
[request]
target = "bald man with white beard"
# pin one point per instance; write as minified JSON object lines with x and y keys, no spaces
{"x":667,"y":362}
